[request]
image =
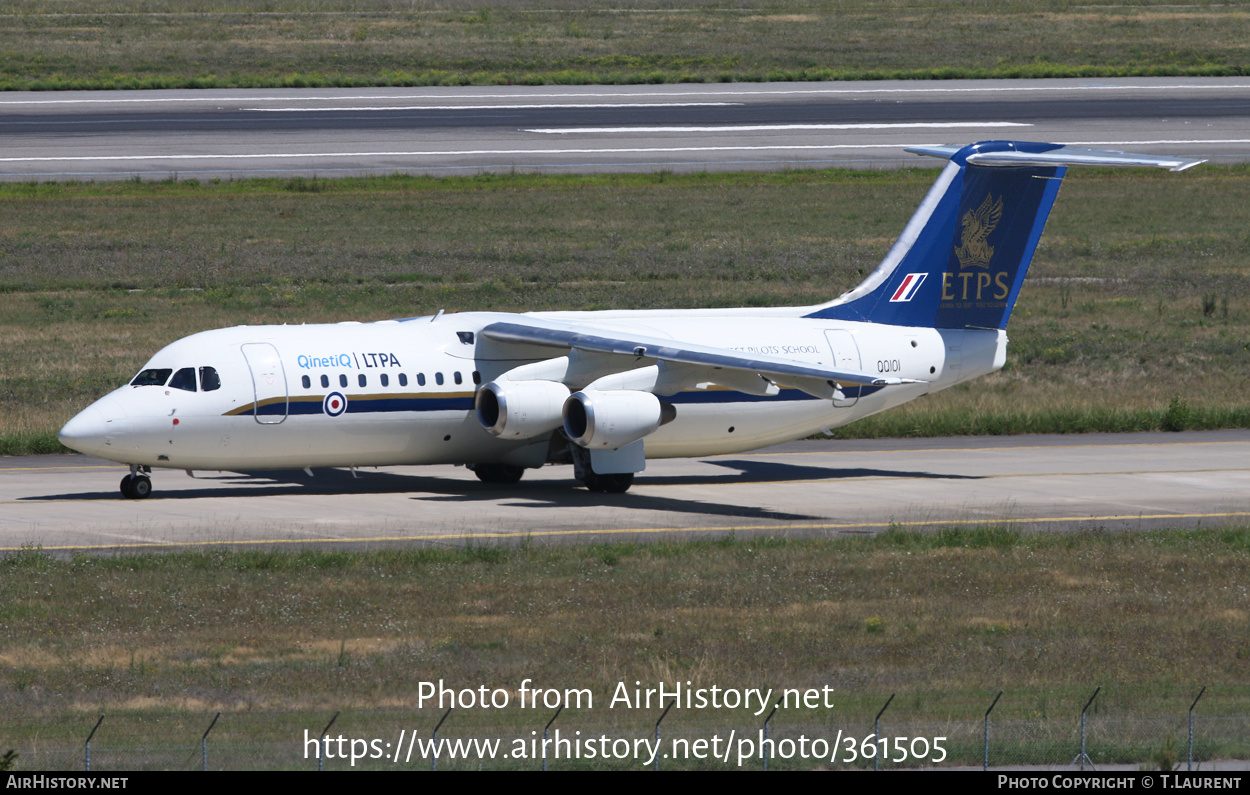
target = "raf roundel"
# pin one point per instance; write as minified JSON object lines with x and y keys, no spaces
{"x":334,"y":404}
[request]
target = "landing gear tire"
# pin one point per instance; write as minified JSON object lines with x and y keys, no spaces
{"x":499,"y":474}
{"x":612,"y":484}
{"x":136,"y":487}
{"x":584,"y":472}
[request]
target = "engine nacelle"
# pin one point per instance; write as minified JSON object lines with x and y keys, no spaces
{"x":520,"y":409}
{"x":608,"y":420}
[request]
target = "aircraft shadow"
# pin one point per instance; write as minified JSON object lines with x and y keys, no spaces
{"x":287,"y":483}
{"x":534,"y":494}
{"x":642,"y":502}
{"x":562,"y":496}
{"x":539,"y":494}
{"x":774,"y":472}
{"x":747,"y":472}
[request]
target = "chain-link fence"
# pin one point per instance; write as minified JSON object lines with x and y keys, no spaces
{"x":255,"y":739}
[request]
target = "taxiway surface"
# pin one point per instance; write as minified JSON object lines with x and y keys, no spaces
{"x":813,"y":488}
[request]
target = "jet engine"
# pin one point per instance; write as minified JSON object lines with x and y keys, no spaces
{"x":520,"y":409}
{"x":608,"y":420}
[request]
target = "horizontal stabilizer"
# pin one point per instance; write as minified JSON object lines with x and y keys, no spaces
{"x":1058,"y":156}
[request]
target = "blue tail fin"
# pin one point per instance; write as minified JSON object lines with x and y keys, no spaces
{"x":963,"y":256}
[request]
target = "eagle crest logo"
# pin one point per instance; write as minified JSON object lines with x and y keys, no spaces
{"x":973,"y":250}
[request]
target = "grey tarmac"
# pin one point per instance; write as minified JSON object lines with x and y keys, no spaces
{"x":826,"y":488}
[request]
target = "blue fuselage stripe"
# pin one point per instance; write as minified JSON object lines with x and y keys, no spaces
{"x":382,"y":404}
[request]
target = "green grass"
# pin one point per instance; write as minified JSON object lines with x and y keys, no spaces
{"x":117,"y":44}
{"x":1134,"y":316}
{"x":278,"y":641}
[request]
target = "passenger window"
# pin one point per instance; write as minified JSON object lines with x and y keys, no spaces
{"x":152,"y":377}
{"x":342,"y":379}
{"x":420,"y":379}
{"x":403,"y":379}
{"x":361,"y":379}
{"x":325,"y":382}
{"x":385,"y":380}
{"x":477,"y":377}
{"x":184,"y":379}
{"x":306,"y":381}
{"x":438,"y":378}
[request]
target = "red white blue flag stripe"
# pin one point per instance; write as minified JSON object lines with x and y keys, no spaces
{"x":910,"y":286}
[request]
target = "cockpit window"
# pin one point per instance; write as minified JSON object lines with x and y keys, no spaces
{"x":209,"y":380}
{"x":154,"y":377}
{"x":183,"y":379}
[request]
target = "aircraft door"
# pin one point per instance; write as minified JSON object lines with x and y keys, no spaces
{"x":845,"y":357}
{"x":268,"y":382}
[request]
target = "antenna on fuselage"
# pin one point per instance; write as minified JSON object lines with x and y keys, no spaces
{"x":437,"y":316}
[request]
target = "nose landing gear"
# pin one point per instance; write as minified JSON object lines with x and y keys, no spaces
{"x":136,"y":485}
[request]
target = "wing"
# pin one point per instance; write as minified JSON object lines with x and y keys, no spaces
{"x":813,"y":379}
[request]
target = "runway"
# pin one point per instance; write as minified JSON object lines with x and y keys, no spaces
{"x":69,"y":504}
{"x":227,"y":134}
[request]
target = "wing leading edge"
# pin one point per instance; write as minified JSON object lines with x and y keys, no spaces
{"x":774,"y":368}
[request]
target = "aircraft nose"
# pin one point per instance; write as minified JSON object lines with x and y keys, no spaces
{"x":85,"y":432}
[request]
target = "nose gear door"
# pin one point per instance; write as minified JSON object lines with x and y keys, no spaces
{"x":268,"y":382}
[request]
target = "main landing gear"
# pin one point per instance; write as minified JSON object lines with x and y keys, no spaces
{"x":509,"y":474}
{"x":617,"y":483}
{"x":498,"y":474}
{"x":137,"y":485}
{"x":599,"y":482}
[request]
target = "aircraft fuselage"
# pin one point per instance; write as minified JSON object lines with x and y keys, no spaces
{"x":402,"y":392}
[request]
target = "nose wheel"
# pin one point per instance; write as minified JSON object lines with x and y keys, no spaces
{"x":136,"y":487}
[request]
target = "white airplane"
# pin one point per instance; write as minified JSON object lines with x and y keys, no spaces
{"x":603,"y":391}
